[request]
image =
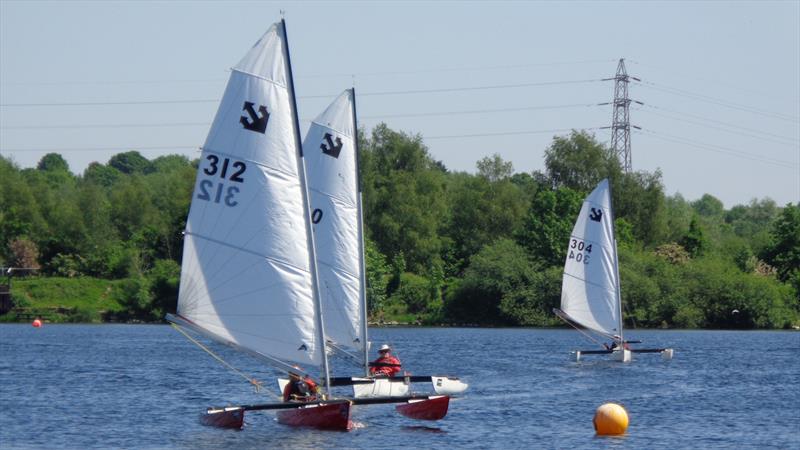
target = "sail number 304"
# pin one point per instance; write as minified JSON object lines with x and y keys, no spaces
{"x":579,"y":251}
{"x":228,"y":171}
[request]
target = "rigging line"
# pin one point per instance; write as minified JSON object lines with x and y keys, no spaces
{"x":719,"y":102}
{"x":588,"y":336}
{"x":723,"y":150}
{"x":361,"y":94}
{"x":257,"y":384}
{"x":741,"y":133}
{"x":727,"y":124}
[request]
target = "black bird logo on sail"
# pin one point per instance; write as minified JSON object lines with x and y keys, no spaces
{"x":596,"y":215}
{"x":257,"y":121}
{"x":330,"y":148}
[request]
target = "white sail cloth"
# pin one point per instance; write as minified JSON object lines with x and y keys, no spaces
{"x":589,"y":291}
{"x":246,"y":275}
{"x":331,"y":167}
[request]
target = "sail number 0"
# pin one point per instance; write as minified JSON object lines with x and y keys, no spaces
{"x":579,"y":251}
{"x":222,"y":192}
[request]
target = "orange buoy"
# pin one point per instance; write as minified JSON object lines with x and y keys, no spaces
{"x":610,"y":419}
{"x":37,"y":323}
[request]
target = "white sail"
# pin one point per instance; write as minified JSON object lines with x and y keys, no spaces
{"x":590,"y":287}
{"x":331,"y":166}
{"x":247,"y":276}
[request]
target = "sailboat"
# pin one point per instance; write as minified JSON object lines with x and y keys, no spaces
{"x":249,"y":272}
{"x":248,"y":276}
{"x":590,"y":289}
{"x":332,"y":159}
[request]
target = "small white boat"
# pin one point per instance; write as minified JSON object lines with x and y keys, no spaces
{"x":590,"y":292}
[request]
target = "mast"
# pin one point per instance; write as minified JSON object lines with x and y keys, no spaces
{"x":361,"y":249}
{"x":616,"y":264}
{"x":307,"y":214}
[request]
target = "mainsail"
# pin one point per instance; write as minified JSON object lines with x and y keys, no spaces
{"x":332,"y":168}
{"x":590,"y":288}
{"x":248,"y":271}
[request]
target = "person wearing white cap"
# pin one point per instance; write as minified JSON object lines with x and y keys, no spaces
{"x":386,"y":365}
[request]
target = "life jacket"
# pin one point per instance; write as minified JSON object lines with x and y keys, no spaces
{"x":385,"y":366}
{"x":304,"y":390}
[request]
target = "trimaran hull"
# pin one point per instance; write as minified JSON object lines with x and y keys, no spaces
{"x":328,"y":414}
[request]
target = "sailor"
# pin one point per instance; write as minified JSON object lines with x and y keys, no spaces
{"x":386,"y":364}
{"x":299,"y":389}
{"x":615,"y":344}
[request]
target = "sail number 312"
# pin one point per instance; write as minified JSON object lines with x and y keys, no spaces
{"x":579,"y":251}
{"x":227,"y":171}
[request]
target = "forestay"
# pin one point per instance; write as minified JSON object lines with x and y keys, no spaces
{"x":590,"y":287}
{"x":246,"y":274}
{"x":331,"y":166}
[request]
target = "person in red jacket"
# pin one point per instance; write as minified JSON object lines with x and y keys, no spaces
{"x":386,"y":364}
{"x":300,"y":389}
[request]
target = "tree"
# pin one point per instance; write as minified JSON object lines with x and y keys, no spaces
{"x":130,"y":163}
{"x":708,"y":206}
{"x":494,"y":168}
{"x":24,"y":253}
{"x":550,"y":220}
{"x":52,"y":162}
{"x":579,"y":162}
{"x":404,"y":201}
{"x":695,"y":241}
{"x":500,"y":270}
{"x":783,"y":252}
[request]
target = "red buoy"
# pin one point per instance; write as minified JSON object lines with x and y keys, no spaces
{"x":37,"y":323}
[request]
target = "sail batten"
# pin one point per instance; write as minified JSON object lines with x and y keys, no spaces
{"x":590,"y":286}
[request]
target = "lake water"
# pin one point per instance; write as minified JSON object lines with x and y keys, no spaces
{"x":143,"y":386}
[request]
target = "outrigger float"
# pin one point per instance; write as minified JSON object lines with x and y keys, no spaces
{"x":249,"y":274}
{"x":328,"y":414}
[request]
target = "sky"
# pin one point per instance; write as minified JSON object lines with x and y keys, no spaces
{"x":720,"y":81}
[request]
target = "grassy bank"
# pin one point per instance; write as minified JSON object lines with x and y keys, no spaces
{"x":55,"y":299}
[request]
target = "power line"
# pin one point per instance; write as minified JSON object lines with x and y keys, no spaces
{"x":373,"y":117}
{"x":176,"y":147}
{"x":719,"y":102}
{"x":363,"y":94}
{"x":716,"y":81}
{"x":720,"y":149}
{"x":727,"y":124}
{"x":99,"y":149}
{"x":317,"y":75}
{"x":508,"y":133}
{"x":741,"y":133}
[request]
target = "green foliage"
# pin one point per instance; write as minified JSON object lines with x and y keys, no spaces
{"x":441,"y":247}
{"x":579,"y":162}
{"x":53,"y":162}
{"x":500,"y":270}
{"x":131,"y":162}
{"x":550,"y":220}
{"x":694,"y":242}
{"x":378,"y":274}
{"x":403,"y":196}
{"x":783,"y":250}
